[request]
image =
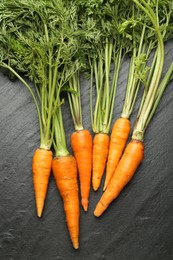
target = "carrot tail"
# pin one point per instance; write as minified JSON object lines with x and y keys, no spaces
{"x":126,"y":168}
{"x":81,"y":142}
{"x":65,"y":174}
{"x":118,"y":139}
{"x":100,"y":152}
{"x":41,"y":168}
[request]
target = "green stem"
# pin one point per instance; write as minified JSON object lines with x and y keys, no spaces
{"x":164,"y":83}
{"x":42,"y":144}
{"x":50,"y":108}
{"x":107,"y":86}
{"x":150,"y":98}
{"x":74,"y":101}
{"x":117,"y":64}
{"x":91,"y":95}
{"x":59,"y":136}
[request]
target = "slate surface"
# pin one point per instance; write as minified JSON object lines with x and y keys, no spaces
{"x":137,"y":226}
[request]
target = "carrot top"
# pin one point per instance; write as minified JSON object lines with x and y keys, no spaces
{"x":39,"y":47}
{"x":155,"y":87}
{"x":102,"y":46}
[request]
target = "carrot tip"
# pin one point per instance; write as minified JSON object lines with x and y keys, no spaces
{"x":39,"y":212}
{"x":40,"y":205}
{"x":100,"y":208}
{"x":104,"y":188}
{"x":76,"y":245}
{"x":84,"y":203}
{"x":95,"y":188}
{"x":85,"y":207}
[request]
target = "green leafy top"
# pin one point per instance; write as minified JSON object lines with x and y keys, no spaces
{"x":37,"y":41}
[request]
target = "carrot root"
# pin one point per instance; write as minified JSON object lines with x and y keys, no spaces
{"x":100,"y":153}
{"x":65,"y":174}
{"x":118,"y":139}
{"x":81,"y":142}
{"x":41,"y":168}
{"x":124,"y":172}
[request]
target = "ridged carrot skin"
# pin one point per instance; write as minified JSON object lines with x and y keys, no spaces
{"x":125,"y":170}
{"x":41,"y":168}
{"x":81,"y":142}
{"x":118,"y":139}
{"x":65,"y":174}
{"x":100,"y":153}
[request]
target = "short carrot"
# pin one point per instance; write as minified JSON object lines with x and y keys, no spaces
{"x":41,"y":168}
{"x":125,"y":170}
{"x":81,"y":139}
{"x":118,"y":139}
{"x":65,"y":174}
{"x":100,"y":152}
{"x":81,"y":142}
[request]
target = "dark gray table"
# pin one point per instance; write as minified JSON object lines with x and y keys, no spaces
{"x":137,"y":226}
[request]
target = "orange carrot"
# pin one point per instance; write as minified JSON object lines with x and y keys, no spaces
{"x":41,"y":168}
{"x":81,"y":142}
{"x":65,"y":174}
{"x":118,"y":139}
{"x":100,"y":153}
{"x":124,"y":172}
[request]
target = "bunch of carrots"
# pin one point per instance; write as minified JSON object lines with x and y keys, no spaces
{"x":51,"y":42}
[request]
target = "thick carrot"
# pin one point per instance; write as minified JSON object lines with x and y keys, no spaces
{"x":41,"y":168}
{"x":65,"y":174}
{"x":124,"y":172}
{"x":118,"y":139}
{"x":81,"y":142}
{"x":100,"y":153}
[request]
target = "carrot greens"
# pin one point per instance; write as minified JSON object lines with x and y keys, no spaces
{"x":161,"y":26}
{"x":39,"y":47}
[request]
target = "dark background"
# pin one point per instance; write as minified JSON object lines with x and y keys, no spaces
{"x":137,"y":226}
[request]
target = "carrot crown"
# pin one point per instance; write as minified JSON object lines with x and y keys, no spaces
{"x":39,"y":47}
{"x":155,"y":88}
{"x":103,"y":45}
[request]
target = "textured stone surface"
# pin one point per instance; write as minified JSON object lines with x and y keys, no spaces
{"x":137,"y":226}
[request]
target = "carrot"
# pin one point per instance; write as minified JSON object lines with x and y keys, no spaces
{"x":100,"y":152}
{"x":81,"y":142}
{"x":65,"y":174}
{"x":118,"y":139}
{"x":124,"y":172}
{"x":41,"y":168}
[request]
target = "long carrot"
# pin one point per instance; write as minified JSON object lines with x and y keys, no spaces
{"x":125,"y":170}
{"x":81,"y":139}
{"x":65,"y":174}
{"x":81,"y":142}
{"x":118,"y":139}
{"x":41,"y":168}
{"x":100,"y":152}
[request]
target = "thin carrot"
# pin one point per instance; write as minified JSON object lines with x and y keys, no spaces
{"x":41,"y":168}
{"x":100,"y":152}
{"x":65,"y":174}
{"x":81,"y":142}
{"x":124,"y":172}
{"x":81,"y":139}
{"x":118,"y":139}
